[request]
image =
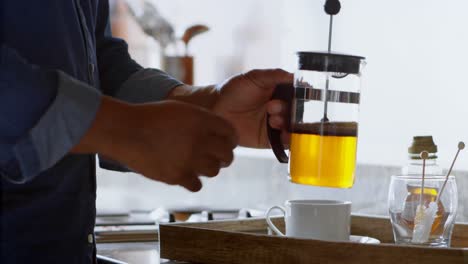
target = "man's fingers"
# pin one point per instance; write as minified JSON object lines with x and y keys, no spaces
{"x":283,"y":76}
{"x":276,"y":107}
{"x":270,"y":77}
{"x":207,"y":166}
{"x":285,"y":138}
{"x":221,"y":149}
{"x":192,"y":183}
{"x":217,"y":153}
{"x":277,"y":122}
{"x":218,"y":127}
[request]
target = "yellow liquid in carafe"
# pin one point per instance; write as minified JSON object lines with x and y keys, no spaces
{"x":323,"y":154}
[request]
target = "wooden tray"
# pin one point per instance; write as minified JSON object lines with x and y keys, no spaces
{"x":247,"y":241}
{"x":126,"y":234}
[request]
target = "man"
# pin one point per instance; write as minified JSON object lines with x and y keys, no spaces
{"x":68,"y":91}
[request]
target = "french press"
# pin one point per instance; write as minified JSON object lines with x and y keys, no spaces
{"x":324,"y":107}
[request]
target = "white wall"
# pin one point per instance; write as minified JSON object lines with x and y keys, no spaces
{"x":417,"y":54}
{"x":416,"y":51}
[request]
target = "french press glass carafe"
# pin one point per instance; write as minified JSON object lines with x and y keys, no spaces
{"x":323,"y":127}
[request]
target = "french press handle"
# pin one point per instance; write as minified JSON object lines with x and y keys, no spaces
{"x":285,"y":92}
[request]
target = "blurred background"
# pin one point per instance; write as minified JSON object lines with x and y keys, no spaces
{"x":414,"y":84}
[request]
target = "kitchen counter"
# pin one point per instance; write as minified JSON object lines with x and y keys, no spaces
{"x":137,"y":252}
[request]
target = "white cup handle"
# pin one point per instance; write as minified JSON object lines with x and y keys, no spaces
{"x":268,"y":220}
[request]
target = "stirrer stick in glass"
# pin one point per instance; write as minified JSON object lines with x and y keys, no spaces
{"x":424,"y":216}
{"x":424,"y":155}
{"x":461,"y":145}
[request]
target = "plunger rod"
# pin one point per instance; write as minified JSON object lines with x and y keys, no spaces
{"x":327,"y":83}
{"x":332,"y":7}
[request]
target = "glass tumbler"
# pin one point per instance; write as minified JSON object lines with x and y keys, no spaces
{"x":404,"y":196}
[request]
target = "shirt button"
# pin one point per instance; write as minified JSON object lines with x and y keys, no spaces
{"x":90,"y":238}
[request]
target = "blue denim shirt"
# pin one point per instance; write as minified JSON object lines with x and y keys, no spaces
{"x":57,"y":58}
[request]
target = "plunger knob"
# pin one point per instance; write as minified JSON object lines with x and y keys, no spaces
{"x":424,"y":155}
{"x":332,"y":7}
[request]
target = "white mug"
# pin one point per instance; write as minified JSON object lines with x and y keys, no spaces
{"x":315,"y":219}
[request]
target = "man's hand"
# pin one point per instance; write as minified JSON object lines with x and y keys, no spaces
{"x":177,"y":141}
{"x":245,"y":100}
{"x":170,"y":141}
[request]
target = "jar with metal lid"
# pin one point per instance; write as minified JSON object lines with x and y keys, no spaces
{"x":415,"y":163}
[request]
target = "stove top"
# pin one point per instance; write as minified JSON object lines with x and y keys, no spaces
{"x":140,"y":226}
{"x":170,"y":215}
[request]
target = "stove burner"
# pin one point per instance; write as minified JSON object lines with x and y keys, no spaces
{"x":163,"y":215}
{"x":205,"y":215}
{"x":143,"y":225}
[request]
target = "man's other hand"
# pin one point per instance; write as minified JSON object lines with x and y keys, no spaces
{"x":169,"y":141}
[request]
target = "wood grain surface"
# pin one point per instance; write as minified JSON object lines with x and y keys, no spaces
{"x":245,"y":241}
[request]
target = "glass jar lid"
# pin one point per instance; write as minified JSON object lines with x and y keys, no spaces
{"x":422,"y":143}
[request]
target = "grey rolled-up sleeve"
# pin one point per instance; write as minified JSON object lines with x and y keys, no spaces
{"x":147,"y":85}
{"x":61,"y":127}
